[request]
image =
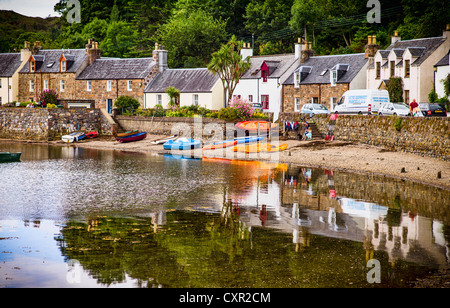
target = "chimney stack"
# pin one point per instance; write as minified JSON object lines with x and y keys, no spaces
{"x":395,"y":38}
{"x":36,"y":47}
{"x":25,"y":53}
{"x":160,"y":57}
{"x":371,"y":47}
{"x":446,"y":33}
{"x":246,"y":51}
{"x":93,"y":51}
{"x":307,"y":52}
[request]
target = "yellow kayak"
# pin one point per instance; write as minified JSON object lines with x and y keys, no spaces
{"x":256,"y":148}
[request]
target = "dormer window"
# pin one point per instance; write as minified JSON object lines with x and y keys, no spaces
{"x":63,"y":66}
{"x":32,"y":66}
{"x":333,"y":78}
{"x":264,"y":75}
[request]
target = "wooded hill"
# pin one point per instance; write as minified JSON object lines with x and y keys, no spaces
{"x":193,"y":29}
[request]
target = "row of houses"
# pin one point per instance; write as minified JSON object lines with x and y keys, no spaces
{"x":280,"y":83}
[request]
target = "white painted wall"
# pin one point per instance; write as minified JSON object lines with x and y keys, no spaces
{"x":441,"y":73}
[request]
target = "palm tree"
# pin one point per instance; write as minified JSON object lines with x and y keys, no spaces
{"x":174,"y":95}
{"x":229,"y":65}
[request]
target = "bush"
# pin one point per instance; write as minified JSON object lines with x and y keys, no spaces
{"x":244,"y":109}
{"x":159,"y":111}
{"x":227,"y":114}
{"x":260,"y":115}
{"x":127,"y":103}
{"x":398,"y":124}
{"x":48,"y":97}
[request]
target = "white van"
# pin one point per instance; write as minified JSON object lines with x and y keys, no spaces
{"x":361,"y":101}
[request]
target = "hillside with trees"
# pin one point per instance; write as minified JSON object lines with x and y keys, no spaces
{"x":194,"y":29}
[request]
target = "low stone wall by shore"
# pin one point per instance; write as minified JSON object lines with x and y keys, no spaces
{"x":50,"y":124}
{"x":428,"y":136}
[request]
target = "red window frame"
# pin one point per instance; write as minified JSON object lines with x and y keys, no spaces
{"x":265,"y":101}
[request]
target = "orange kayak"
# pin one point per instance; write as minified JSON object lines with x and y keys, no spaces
{"x":273,"y":148}
{"x":256,"y":148}
{"x":220,"y":145}
{"x":253,"y":125}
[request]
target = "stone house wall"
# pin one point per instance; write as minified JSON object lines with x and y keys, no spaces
{"x":323,"y":92}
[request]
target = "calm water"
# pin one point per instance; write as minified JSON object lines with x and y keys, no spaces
{"x":87,"y":218}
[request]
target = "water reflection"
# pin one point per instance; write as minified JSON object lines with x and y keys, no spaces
{"x":136,"y":219}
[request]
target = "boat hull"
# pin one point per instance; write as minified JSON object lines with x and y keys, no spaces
{"x":7,"y":157}
{"x":73,"y":137}
{"x":164,"y":140}
{"x":182,"y":144}
{"x":91,"y":135}
{"x":126,"y":134}
{"x":132,"y":138}
{"x":220,"y":145}
{"x":253,"y":126}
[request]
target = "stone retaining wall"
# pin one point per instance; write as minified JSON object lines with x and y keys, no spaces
{"x":428,"y":136}
{"x":50,"y":124}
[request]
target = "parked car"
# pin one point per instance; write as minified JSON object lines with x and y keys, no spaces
{"x":257,"y":107}
{"x":394,"y":109}
{"x":432,"y":110}
{"x":313,"y":109}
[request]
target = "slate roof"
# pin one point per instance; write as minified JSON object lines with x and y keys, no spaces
{"x":47,"y":60}
{"x":114,"y":68}
{"x":429,"y":45}
{"x":349,"y":66}
{"x":9,"y":64}
{"x":444,"y":61}
{"x":195,"y":80}
{"x":278,"y":65}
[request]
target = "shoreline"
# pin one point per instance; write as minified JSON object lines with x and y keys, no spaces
{"x":336,"y":155}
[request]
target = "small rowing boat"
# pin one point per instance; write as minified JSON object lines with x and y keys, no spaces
{"x":91,"y":135}
{"x":131,"y":138}
{"x":129,"y":133}
{"x":182,"y":144}
{"x":164,"y":140}
{"x":7,"y":157}
{"x":77,"y":136}
{"x":220,"y":145}
{"x":253,"y":126}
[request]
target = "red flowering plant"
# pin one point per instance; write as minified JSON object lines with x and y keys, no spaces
{"x":48,"y":97}
{"x":244,"y":109}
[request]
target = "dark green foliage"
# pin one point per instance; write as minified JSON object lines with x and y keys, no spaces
{"x":127,"y":103}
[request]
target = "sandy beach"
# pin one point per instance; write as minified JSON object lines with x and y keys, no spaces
{"x":337,"y":155}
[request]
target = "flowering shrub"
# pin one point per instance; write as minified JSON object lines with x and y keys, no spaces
{"x":244,"y":109}
{"x":48,"y":97}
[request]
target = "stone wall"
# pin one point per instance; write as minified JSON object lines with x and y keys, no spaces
{"x":425,"y":136}
{"x":50,"y":124}
{"x":196,"y":127}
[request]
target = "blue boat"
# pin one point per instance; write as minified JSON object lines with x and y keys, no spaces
{"x":182,"y":144}
{"x":242,"y":140}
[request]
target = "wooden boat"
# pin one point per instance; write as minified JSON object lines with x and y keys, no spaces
{"x":129,"y":133}
{"x":91,"y":135}
{"x":132,"y":138}
{"x":77,"y":136}
{"x":253,"y":126}
{"x":220,"y":145}
{"x":7,"y":157}
{"x":164,"y":140}
{"x":182,"y":144}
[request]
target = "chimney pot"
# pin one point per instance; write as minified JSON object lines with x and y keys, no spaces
{"x":447,"y":27}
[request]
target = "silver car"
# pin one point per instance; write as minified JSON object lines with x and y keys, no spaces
{"x":313,"y":109}
{"x":394,"y":109}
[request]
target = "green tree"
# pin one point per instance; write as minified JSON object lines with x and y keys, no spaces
{"x":395,"y":89}
{"x":304,"y":14}
{"x":228,"y":64}
{"x":119,"y":40}
{"x":191,"y":38}
{"x":127,"y":103}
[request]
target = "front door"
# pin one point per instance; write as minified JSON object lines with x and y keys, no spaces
{"x":109,"y":105}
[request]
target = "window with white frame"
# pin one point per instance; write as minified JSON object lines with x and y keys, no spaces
{"x":159,"y":99}
{"x":333,"y":79}
{"x":45,"y":84}
{"x":63,"y":66}
{"x":195,"y":99}
{"x":31,"y":85}
{"x":109,"y":85}
{"x":32,"y":66}
{"x":297,"y":104}
{"x":130,"y":85}
{"x":62,"y":85}
{"x":297,"y":79}
{"x":88,"y":85}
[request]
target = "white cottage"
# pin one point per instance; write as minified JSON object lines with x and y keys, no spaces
{"x":197,"y":87}
{"x":263,"y":82}
{"x":411,"y":60}
{"x":10,"y":65}
{"x":442,"y":70}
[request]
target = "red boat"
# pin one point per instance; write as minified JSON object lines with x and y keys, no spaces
{"x":92,"y":135}
{"x":131,"y":138}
